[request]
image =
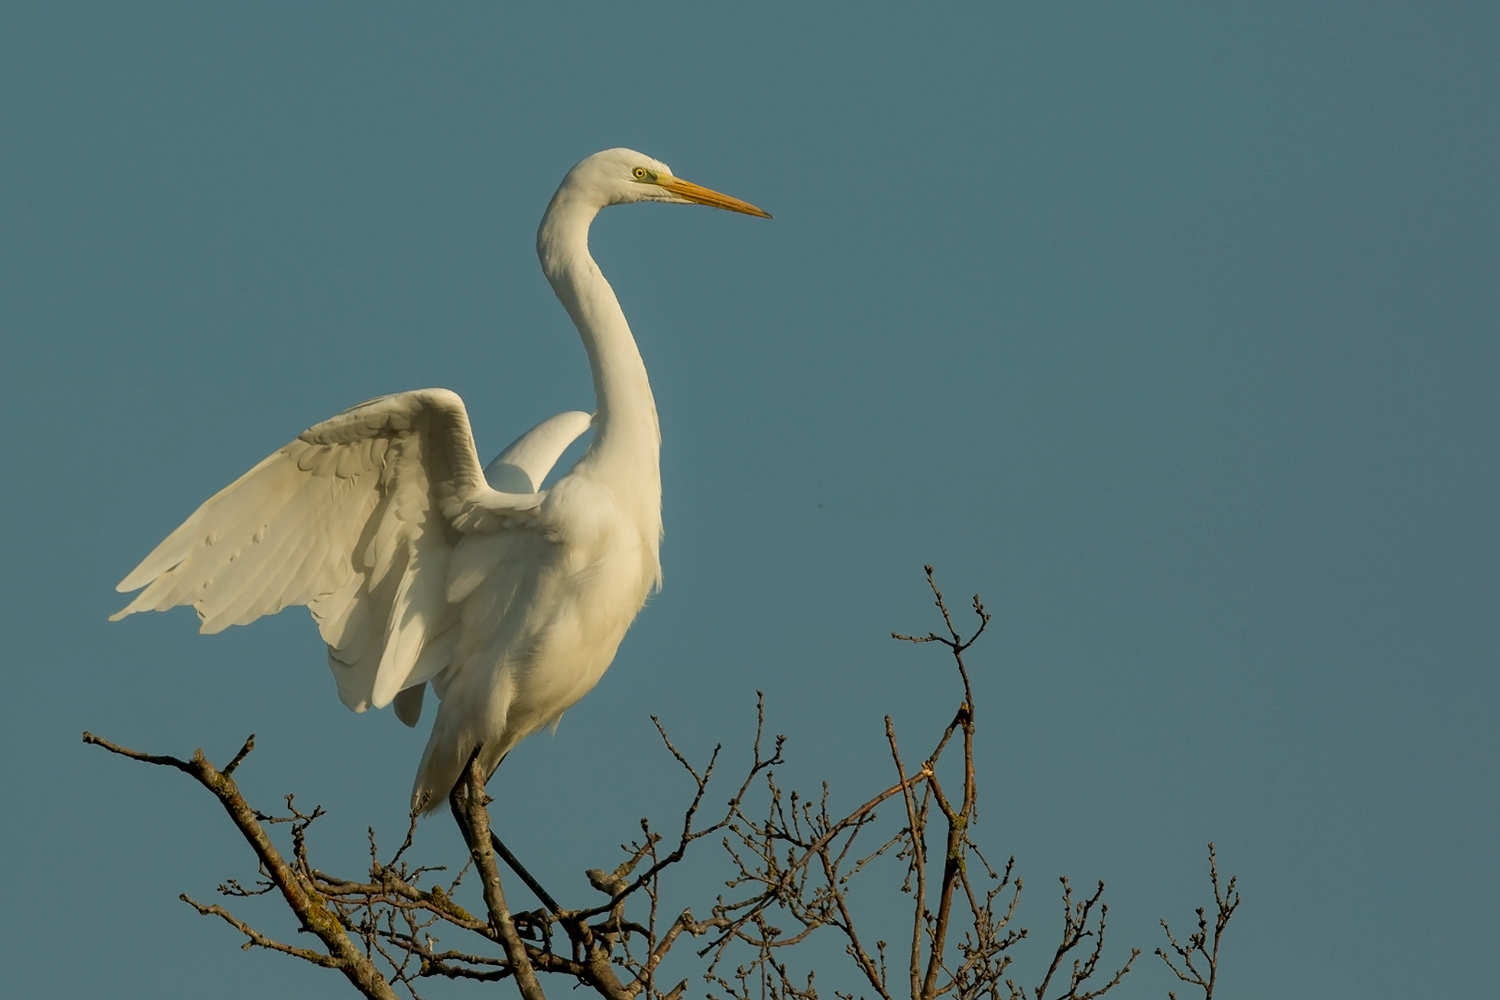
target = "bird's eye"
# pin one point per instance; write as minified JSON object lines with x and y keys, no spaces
{"x":640,"y":173}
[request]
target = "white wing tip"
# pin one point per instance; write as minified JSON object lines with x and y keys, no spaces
{"x":130,"y":609}
{"x":135,"y":581}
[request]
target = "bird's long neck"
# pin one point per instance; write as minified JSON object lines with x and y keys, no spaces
{"x":625,"y":453}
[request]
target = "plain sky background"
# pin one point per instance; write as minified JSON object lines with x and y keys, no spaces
{"x":1169,"y":328}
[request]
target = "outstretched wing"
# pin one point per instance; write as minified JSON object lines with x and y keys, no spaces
{"x":357,"y":519}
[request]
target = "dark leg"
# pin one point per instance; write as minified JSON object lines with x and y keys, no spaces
{"x":467,"y":800}
{"x":519,"y":869}
{"x":458,"y":803}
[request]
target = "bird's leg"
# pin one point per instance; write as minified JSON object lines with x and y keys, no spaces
{"x":458,"y":803}
{"x":468,"y":802}
{"x":531,"y":883}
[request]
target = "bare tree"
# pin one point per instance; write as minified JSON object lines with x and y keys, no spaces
{"x":792,"y":864}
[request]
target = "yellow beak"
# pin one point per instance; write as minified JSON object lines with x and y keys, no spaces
{"x":699,"y":195}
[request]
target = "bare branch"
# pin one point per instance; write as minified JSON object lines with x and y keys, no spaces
{"x":1200,"y":942}
{"x":239,"y":757}
{"x":258,"y":940}
{"x":793,"y":866}
{"x":305,"y":904}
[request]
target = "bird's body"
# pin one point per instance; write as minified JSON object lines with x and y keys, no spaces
{"x":420,"y":566}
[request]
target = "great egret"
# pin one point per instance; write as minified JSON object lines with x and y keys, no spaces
{"x":419,"y":565}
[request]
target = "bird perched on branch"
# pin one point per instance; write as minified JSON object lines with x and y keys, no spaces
{"x":422,"y":566}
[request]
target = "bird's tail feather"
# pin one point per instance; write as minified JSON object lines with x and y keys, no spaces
{"x":443,"y":764}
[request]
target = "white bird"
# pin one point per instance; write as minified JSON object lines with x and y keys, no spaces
{"x":418,"y":564}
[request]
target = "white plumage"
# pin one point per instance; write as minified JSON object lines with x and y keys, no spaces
{"x":420,"y":565}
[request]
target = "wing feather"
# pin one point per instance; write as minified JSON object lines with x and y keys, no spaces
{"x":342,"y":614}
{"x":525,"y":462}
{"x":358,"y":518}
{"x":475,"y":557}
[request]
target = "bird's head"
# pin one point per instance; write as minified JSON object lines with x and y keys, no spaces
{"x":621,"y":176}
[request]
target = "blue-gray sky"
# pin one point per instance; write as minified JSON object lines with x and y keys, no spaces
{"x":1169,"y":328}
